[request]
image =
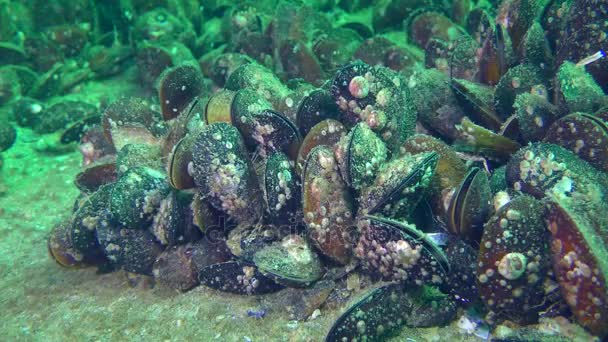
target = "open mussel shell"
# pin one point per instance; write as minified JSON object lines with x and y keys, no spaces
{"x":238,"y":278}
{"x":224,"y":174}
{"x":399,"y":185}
{"x":219,"y":107}
{"x":282,"y":188}
{"x":177,"y":87}
{"x":478,"y":102}
{"x":584,"y":134}
{"x":470,"y":205}
{"x":291,"y":262}
{"x":173,"y":224}
{"x":578,"y":246}
{"x":513,"y":260}
{"x":131,"y":120}
{"x":180,"y":164}
{"x":360,"y":154}
{"x":327,"y":205}
{"x":473,"y":138}
{"x":135,"y":197}
{"x":377,"y":313}
{"x":397,"y":251}
{"x":95,"y":175}
{"x":327,"y":132}
{"x":132,"y":250}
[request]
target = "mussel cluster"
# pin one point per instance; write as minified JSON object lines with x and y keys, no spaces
{"x":461,"y":163}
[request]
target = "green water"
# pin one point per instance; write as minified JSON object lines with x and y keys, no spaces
{"x":399,"y":170}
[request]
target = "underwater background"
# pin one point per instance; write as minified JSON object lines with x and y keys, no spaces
{"x":283,"y":170}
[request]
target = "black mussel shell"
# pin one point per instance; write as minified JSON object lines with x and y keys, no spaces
{"x":238,"y":278}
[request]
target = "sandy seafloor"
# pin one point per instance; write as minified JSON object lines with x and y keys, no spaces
{"x":41,"y":301}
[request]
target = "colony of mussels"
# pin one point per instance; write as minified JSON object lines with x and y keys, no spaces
{"x":402,"y":162}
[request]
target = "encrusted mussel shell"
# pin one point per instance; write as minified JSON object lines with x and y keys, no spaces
{"x":584,"y":134}
{"x":173,"y":223}
{"x":513,"y":260}
{"x":133,"y":250}
{"x":291,"y":262}
{"x":238,"y":278}
{"x":541,"y":167}
{"x":397,"y":251}
{"x":224,"y":174}
{"x":399,"y":185}
{"x":90,"y":213}
{"x":282,"y":188}
{"x":376,"y":314}
{"x":470,"y":205}
{"x":327,"y":205}
{"x":136,"y":196}
{"x":131,"y":120}
{"x":327,"y":132}
{"x":61,"y":247}
{"x":376,"y":96}
{"x":360,"y":154}
{"x":579,"y":236}
{"x":316,"y":106}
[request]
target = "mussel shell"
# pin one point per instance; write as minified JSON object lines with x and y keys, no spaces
{"x":178,"y":167}
{"x":327,"y":132}
{"x":399,"y":186}
{"x":377,"y":313}
{"x":61,"y":247}
{"x":513,"y":260}
{"x":90,"y":213}
{"x":477,"y":101}
{"x":224,"y":174}
{"x":299,"y":62}
{"x":405,"y":254}
{"x":534,"y":114}
{"x":130,"y":120}
{"x":173,"y":224}
{"x":177,"y":87}
{"x":515,"y":81}
{"x":541,"y":167}
{"x":360,"y":154}
{"x":136,"y":196}
{"x":272,"y":131}
{"x":578,"y":246}
{"x":327,"y":205}
{"x":219,"y":107}
{"x":315,"y":107}
{"x":94,"y":176}
{"x":75,"y":132}
{"x":132,"y":250}
{"x":238,"y":278}
{"x":470,"y":205}
{"x":282,"y":188}
{"x":578,"y":89}
{"x":291,"y":262}
{"x":584,"y":134}
{"x":473,"y":138}
{"x":260,"y":80}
